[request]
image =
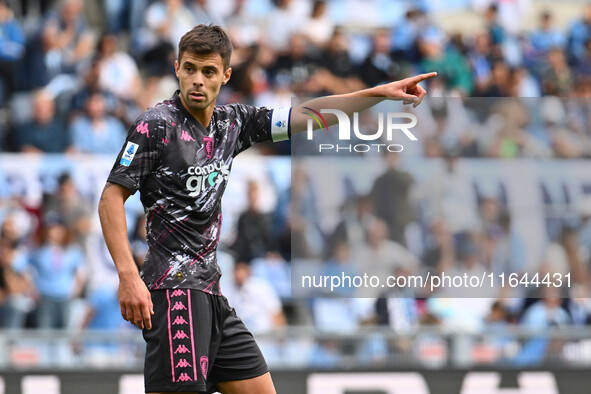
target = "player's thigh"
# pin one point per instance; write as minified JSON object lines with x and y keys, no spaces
{"x":260,"y":385}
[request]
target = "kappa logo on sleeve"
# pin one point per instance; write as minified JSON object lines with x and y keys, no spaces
{"x":142,"y":128}
{"x":128,"y":155}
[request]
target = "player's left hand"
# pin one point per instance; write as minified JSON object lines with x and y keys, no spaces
{"x":408,"y":89}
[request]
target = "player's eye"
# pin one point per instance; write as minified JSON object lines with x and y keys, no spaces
{"x":188,"y":69}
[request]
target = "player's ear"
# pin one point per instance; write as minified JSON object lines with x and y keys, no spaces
{"x":176,"y":68}
{"x":227,"y":75}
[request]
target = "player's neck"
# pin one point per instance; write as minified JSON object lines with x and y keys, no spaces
{"x":203,"y":116}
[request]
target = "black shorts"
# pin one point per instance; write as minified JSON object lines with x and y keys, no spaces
{"x":195,"y":342}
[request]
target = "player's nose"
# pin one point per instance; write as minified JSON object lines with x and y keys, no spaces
{"x":198,"y":79}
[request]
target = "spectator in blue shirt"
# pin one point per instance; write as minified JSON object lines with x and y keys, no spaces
{"x":579,"y":33}
{"x":56,"y":267}
{"x":96,"y":131}
{"x":12,"y":46}
{"x":546,"y":36}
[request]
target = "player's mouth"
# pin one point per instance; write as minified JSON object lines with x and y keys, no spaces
{"x":197,"y":96}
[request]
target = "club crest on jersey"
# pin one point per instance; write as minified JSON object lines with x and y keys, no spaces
{"x":208,"y":146}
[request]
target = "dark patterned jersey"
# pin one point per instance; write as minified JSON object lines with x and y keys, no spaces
{"x":181,"y":170}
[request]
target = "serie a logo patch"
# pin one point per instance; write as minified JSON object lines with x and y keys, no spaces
{"x":128,"y":155}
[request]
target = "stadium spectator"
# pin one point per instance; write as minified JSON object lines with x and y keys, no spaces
{"x":448,"y":199}
{"x":90,"y":84}
{"x":296,"y":66}
{"x":15,"y":287}
{"x":46,"y":132}
{"x":118,"y":73}
{"x":557,"y":77}
{"x":382,"y":256}
{"x":64,"y":42}
{"x":390,"y":198}
{"x":523,"y":83}
{"x":165,"y":23}
{"x":509,"y":253}
{"x":203,"y":13}
{"x":507,"y":136}
{"x":281,"y":24}
{"x":73,"y":208}
{"x":356,"y":216}
{"x":255,"y":301}
{"x":542,"y":315}
{"x":564,"y":141}
{"x":167,"y":20}
{"x":303,"y":228}
{"x":481,"y":60}
{"x":340,"y":262}
{"x":579,"y":33}
{"x":546,"y":36}
{"x":405,"y":33}
{"x":96,"y":131}
{"x":499,"y":83}
{"x":12,"y":47}
{"x":440,"y":249}
{"x":566,"y":256}
{"x":495,"y":28}
{"x":449,"y":64}
{"x":336,"y":73}
{"x":124,"y":16}
{"x":319,"y":27}
{"x":380,"y":66}
{"x":253,"y":233}
{"x":57,"y":270}
{"x":241,"y":30}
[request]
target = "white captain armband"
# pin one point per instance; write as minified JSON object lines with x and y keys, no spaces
{"x":280,"y":130}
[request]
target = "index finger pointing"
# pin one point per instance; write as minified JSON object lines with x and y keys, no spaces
{"x":422,"y":77}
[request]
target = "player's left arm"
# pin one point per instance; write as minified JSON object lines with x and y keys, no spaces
{"x":408,"y":90}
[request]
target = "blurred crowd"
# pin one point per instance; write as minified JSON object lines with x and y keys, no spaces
{"x":70,"y":86}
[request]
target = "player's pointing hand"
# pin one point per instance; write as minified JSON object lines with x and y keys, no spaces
{"x":408,"y":89}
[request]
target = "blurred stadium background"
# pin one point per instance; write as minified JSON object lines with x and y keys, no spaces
{"x":74,"y":74}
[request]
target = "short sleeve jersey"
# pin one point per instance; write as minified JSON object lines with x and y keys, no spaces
{"x":181,"y":170}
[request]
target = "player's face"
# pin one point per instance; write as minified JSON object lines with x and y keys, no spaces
{"x":200,"y":79}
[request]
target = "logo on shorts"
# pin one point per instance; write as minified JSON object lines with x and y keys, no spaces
{"x":179,"y":320}
{"x":180,"y":334}
{"x":204,"y":363}
{"x":178,"y":293}
{"x":183,"y":364}
{"x":178,"y":306}
{"x":184,"y":378}
{"x":208,"y":146}
{"x":182,"y":349}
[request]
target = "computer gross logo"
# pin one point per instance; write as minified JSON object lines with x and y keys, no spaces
{"x":202,"y":177}
{"x":344,"y":124}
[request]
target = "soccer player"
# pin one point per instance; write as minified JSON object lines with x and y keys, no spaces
{"x":178,"y":154}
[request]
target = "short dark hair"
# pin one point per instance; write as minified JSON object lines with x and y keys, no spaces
{"x":207,"y":39}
